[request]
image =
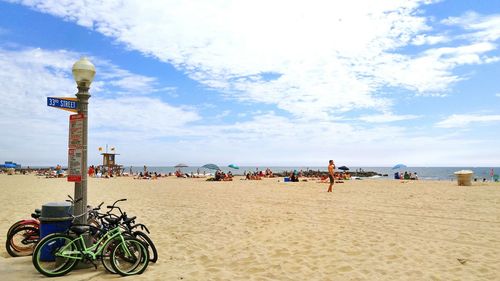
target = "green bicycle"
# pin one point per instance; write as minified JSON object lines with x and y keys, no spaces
{"x":58,"y":253}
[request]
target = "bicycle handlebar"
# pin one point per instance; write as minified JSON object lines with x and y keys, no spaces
{"x":143,"y":227}
{"x":98,"y":207}
{"x":72,"y":201}
{"x":111,"y":207}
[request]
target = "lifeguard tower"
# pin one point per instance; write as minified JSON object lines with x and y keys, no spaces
{"x":109,"y":166}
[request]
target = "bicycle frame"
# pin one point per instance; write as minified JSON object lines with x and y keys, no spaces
{"x":95,"y":250}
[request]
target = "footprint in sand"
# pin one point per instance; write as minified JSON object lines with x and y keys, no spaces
{"x":345,"y":268}
{"x":391,"y":257}
{"x":354,"y":253}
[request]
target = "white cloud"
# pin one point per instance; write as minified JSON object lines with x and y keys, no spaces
{"x":324,"y":58}
{"x":142,"y":115}
{"x":322,"y":67}
{"x":431,"y":72}
{"x":423,"y":39}
{"x":136,"y":84}
{"x":222,"y":114}
{"x":32,"y":130}
{"x":269,"y":139}
{"x":387,"y":117}
{"x":146,"y":130}
{"x":464,"y":120}
{"x":483,"y":28}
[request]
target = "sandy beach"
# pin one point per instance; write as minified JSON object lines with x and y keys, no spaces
{"x":271,"y":230}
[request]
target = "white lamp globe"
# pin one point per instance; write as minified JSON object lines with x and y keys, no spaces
{"x":83,"y":72}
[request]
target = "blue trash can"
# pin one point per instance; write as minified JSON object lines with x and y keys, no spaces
{"x":55,"y":218}
{"x":286,"y":179}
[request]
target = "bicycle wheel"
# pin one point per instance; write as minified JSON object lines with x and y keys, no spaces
{"x":130,"y":257}
{"x":13,"y":227}
{"x":55,"y":255}
{"x":22,"y":241}
{"x":29,"y":222}
{"x":106,"y":254}
{"x":16,"y":224}
{"x":153,"y":254}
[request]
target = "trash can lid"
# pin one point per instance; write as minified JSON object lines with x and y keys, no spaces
{"x":56,"y":210}
{"x":57,"y":204}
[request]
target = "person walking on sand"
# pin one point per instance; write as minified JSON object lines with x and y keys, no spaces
{"x":331,"y":174}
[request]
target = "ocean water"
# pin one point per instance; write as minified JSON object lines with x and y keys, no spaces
{"x":424,"y":173}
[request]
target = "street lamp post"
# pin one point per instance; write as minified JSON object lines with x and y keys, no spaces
{"x":83,"y":73}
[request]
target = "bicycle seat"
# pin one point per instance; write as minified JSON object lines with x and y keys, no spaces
{"x":129,"y":220}
{"x":79,"y":229}
{"x":112,"y":220}
{"x":35,"y":215}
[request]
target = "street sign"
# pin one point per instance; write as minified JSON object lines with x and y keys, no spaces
{"x":76,"y":131}
{"x":75,"y":158}
{"x":64,"y":103}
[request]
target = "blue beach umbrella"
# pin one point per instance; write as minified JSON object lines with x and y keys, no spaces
{"x":343,"y":168}
{"x":399,"y":166}
{"x":211,"y":166}
{"x":233,"y":166}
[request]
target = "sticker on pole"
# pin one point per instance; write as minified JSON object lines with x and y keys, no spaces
{"x":75,"y":131}
{"x":75,"y":157}
{"x":64,"y":103}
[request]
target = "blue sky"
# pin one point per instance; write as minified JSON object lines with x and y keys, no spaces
{"x":367,"y":83}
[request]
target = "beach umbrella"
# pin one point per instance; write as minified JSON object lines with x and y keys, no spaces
{"x":233,"y":166}
{"x":343,"y":168}
{"x":211,"y":166}
{"x":399,"y":166}
{"x":181,"y":165}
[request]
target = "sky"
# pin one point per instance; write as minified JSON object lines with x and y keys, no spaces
{"x":276,"y":83}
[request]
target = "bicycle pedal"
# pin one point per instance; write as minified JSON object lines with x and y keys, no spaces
{"x":89,"y":259}
{"x":94,"y":264}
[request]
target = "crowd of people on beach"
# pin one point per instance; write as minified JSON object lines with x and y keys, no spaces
{"x":56,"y":172}
{"x":99,"y":171}
{"x":221,"y":176}
{"x":405,"y":176}
{"x":148,"y":176}
{"x":288,"y":176}
{"x":51,"y":172}
{"x":258,"y":175}
{"x":104,"y":171}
